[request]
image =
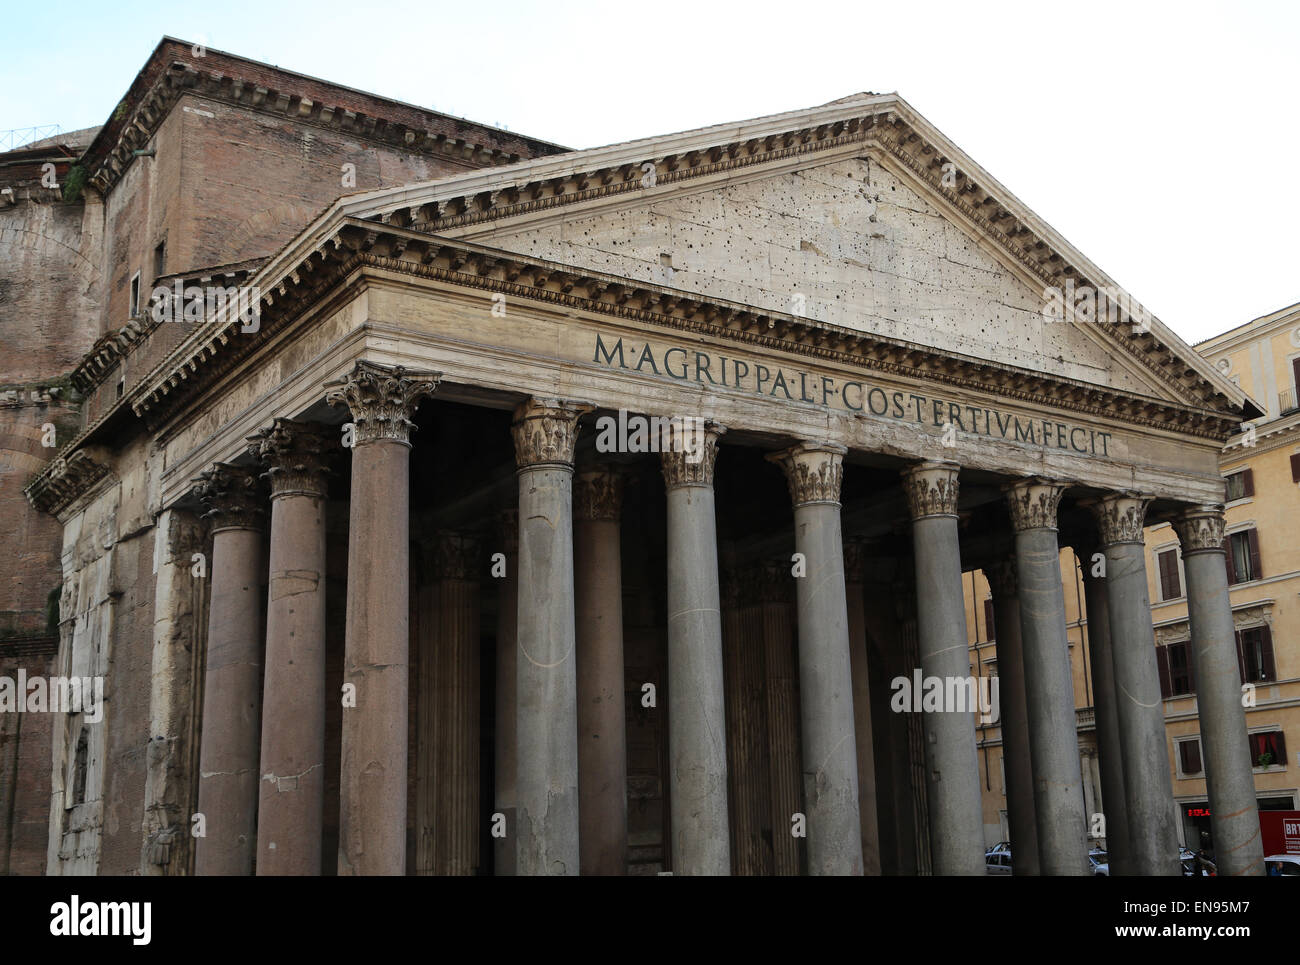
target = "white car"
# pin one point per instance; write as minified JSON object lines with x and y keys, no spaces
{"x":997,"y":863}
{"x":1283,"y":865}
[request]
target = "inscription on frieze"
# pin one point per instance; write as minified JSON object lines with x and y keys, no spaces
{"x":805,"y":387}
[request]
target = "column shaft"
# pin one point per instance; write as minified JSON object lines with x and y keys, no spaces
{"x":546,"y":725}
{"x":1153,"y":836}
{"x":1049,"y":686}
{"x":1106,"y":711}
{"x":830,"y":754}
{"x":952,"y":764}
{"x":373,"y":784}
{"x":602,"y":720}
{"x":1013,"y":714}
{"x":697,"y":745}
{"x":1234,"y":811}
{"x":231,"y":696}
{"x":292,"y":784}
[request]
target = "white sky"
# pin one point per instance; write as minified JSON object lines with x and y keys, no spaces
{"x":1161,"y":139}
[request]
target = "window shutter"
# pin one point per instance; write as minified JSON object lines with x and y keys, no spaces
{"x":1162,"y":665}
{"x":1266,"y":653}
{"x":1190,"y":751}
{"x":1252,"y":538}
{"x":1191,"y":671}
{"x":1227,"y":558}
{"x":1170,"y":587}
{"x":1241,"y":660}
{"x":1295,"y":467}
{"x":1248,"y":482}
{"x":1279,"y":741}
{"x":989,"y":624}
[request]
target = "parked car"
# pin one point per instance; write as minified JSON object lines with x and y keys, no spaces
{"x":1100,"y":862}
{"x":997,"y":863}
{"x":1282,"y":865}
{"x":998,"y":848}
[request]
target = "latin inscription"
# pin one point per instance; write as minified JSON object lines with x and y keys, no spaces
{"x":694,"y":365}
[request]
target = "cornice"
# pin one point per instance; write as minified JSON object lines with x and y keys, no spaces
{"x":65,"y":479}
{"x":179,"y":78}
{"x":358,"y":245}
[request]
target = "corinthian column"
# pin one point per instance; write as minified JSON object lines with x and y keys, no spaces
{"x":1013,"y":717}
{"x":545,"y":431}
{"x":697,"y":744}
{"x":231,"y":699}
{"x":952,"y":764}
{"x":830,"y":754}
{"x":1049,"y":685}
{"x":1149,"y":796}
{"x":292,"y":786}
{"x":602,"y":724}
{"x":1234,"y":812}
{"x":376,"y":660}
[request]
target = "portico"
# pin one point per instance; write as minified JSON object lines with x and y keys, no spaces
{"x":556,"y":659}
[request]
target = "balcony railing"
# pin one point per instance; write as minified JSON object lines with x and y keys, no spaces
{"x":1286,"y":402}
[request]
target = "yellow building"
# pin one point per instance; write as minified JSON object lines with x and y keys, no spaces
{"x":1261,"y":469}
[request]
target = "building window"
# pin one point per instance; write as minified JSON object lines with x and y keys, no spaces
{"x":1243,"y":556}
{"x":1171,"y":587}
{"x":989,"y":624}
{"x":80,"y":764}
{"x":1268,"y":749}
{"x":1173,"y":661}
{"x":135,"y":295}
{"x":1240,"y":485}
{"x":1189,"y":757}
{"x":1295,"y":467}
{"x":160,"y":260}
{"x":1255,"y":655}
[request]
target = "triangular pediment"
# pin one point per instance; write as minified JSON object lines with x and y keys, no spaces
{"x":859,"y":206}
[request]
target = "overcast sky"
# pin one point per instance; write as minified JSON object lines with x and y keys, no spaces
{"x":1160,"y":139}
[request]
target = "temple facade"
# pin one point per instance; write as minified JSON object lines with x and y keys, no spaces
{"x":606,"y":512}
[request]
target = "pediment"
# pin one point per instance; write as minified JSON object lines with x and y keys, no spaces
{"x":765,"y":211}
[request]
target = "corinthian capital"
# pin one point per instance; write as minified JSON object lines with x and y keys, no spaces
{"x":1120,"y":517}
{"x":1033,"y":503}
{"x":545,"y":432}
{"x":231,"y":497}
{"x":382,"y":399}
{"x":931,"y":489}
{"x":598,"y":494}
{"x":1200,"y":528}
{"x":813,"y":471}
{"x":690,"y":461}
{"x":296,"y":455}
